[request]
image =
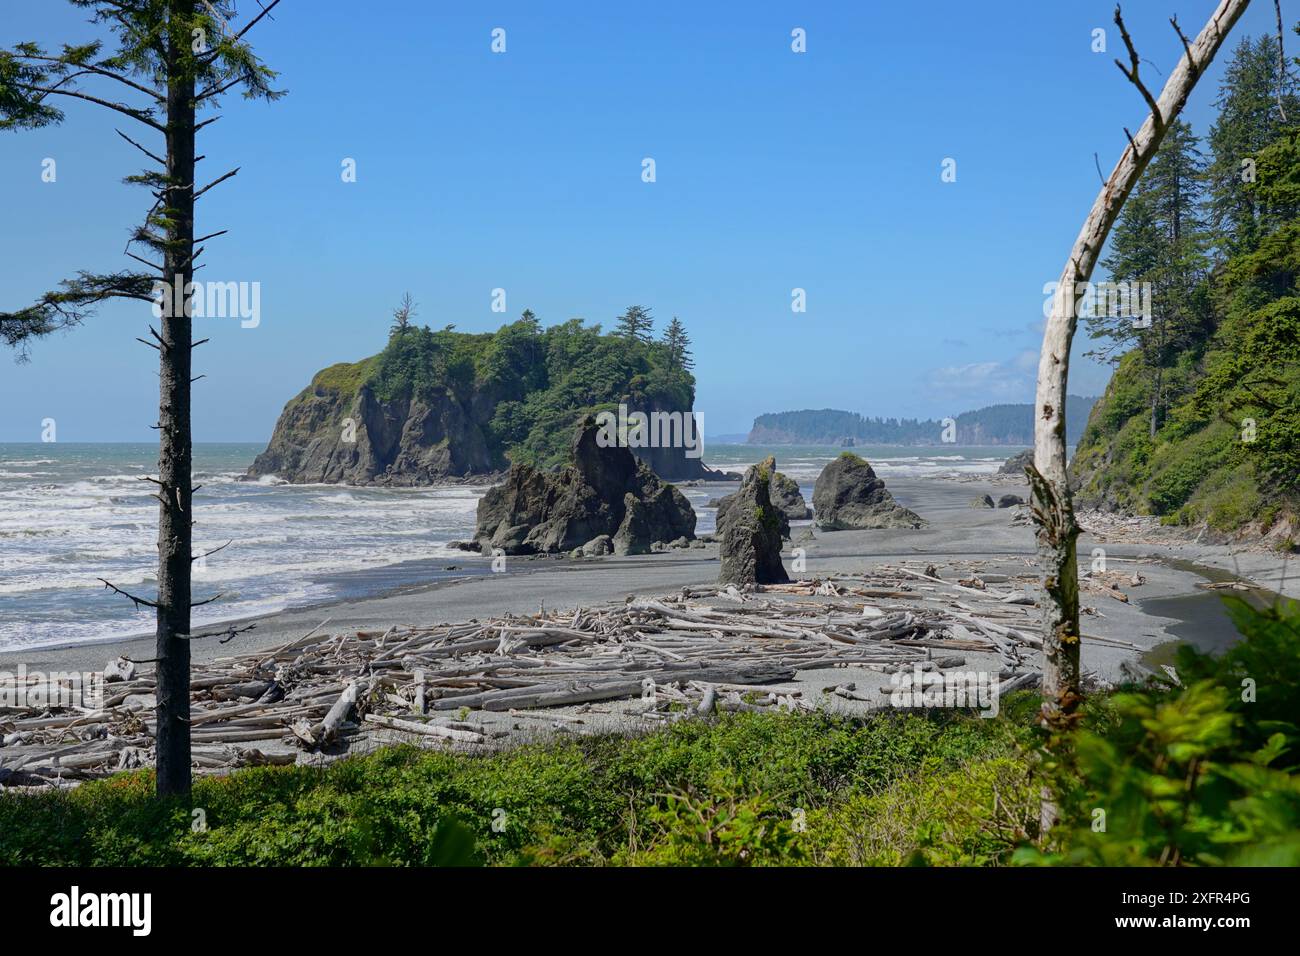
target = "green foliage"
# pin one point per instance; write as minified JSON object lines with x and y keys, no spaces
{"x":636,"y":324}
{"x":525,"y":386}
{"x":1202,"y":773}
{"x":346,"y":378}
{"x":723,"y":792}
{"x":1227,"y":453}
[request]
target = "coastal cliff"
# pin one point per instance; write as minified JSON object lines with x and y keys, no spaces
{"x":438,"y":406}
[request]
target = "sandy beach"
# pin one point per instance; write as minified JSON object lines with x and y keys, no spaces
{"x":1167,"y":606}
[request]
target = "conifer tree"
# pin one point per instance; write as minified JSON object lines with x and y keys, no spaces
{"x":173,"y":58}
{"x":1253,"y":96}
{"x":636,"y":324}
{"x":678,"y":344}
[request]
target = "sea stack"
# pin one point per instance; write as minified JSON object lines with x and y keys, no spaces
{"x":1016,"y":464}
{"x":785,"y":497}
{"x":849,"y":496}
{"x":749,"y":529}
{"x":605,"y":493}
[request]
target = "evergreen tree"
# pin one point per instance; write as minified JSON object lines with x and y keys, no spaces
{"x":1159,"y":243}
{"x":1134,"y":255}
{"x":402,"y":315}
{"x":1249,"y":119}
{"x":174,"y":58}
{"x":678,"y":344}
{"x":636,"y":324}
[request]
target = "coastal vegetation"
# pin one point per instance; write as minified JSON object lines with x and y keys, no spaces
{"x":1199,"y":772}
{"x":512,"y":395}
{"x":1200,"y":424}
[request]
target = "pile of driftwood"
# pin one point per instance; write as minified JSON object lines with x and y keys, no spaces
{"x":468,"y":685}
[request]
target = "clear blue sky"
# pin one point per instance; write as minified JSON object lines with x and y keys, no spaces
{"x":522,"y":171}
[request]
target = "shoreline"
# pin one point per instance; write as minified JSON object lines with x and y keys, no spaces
{"x":958,"y":534}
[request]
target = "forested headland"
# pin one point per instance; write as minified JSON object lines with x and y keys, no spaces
{"x":1201,"y":421}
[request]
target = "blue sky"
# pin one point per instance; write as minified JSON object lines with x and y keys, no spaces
{"x":522,"y":171}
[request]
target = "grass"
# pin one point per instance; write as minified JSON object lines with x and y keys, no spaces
{"x":346,"y":378}
{"x":744,"y":789}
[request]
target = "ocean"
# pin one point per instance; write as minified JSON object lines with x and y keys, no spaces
{"x":71,"y":514}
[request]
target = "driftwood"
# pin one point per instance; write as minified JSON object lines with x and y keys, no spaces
{"x":658,"y":659}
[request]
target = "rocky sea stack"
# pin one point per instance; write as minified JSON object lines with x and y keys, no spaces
{"x":440,"y":405}
{"x":605,"y":493}
{"x":750,"y":531}
{"x":1016,"y":464}
{"x":849,"y":496}
{"x":785,"y":497}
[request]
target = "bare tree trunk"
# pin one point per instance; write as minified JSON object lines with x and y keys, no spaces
{"x":1155,"y":402}
{"x":175,"y":520}
{"x":1053,"y":506}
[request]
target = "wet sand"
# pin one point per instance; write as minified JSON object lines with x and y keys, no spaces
{"x":957,"y":532}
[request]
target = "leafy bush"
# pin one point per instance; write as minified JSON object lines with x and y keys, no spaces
{"x":1202,"y":773}
{"x":724,"y":792}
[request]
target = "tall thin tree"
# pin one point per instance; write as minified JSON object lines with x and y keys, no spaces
{"x":1053,"y":507}
{"x":173,"y":59}
{"x":678,"y":344}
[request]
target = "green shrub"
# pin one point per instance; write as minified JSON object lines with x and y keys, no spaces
{"x":1202,"y":773}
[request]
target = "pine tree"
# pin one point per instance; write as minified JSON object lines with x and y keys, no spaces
{"x":1159,"y":242}
{"x":1134,"y":254}
{"x":402,"y":315}
{"x":636,"y":324}
{"x":1249,"y":120}
{"x":173,"y":58}
{"x":678,"y":344}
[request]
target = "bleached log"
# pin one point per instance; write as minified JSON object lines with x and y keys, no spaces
{"x":428,"y":730}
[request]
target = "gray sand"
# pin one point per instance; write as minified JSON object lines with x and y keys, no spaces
{"x":956,"y":532}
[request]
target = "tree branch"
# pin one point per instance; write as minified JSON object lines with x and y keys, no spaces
{"x":217,"y":182}
{"x":98,"y":71}
{"x":138,"y":601}
{"x":1132,"y":70}
{"x":157,"y":159}
{"x":135,"y":114}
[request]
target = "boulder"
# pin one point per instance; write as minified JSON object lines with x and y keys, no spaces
{"x":1010,"y":501}
{"x":750,"y":531}
{"x":605,"y":493}
{"x":788,"y":498}
{"x":785,"y":497}
{"x":600,"y":545}
{"x":849,"y":496}
{"x":1015,"y":465}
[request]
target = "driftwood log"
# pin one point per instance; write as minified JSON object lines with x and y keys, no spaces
{"x":656,"y":659}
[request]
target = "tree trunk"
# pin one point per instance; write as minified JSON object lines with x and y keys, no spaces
{"x":175,"y":519}
{"x":1155,"y":401}
{"x":1054,"y":509}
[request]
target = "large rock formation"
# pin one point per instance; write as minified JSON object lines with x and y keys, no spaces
{"x":750,"y":531}
{"x":849,"y":496}
{"x":1016,"y":464}
{"x":605,"y":493}
{"x":338,"y":431}
{"x":332,"y":436}
{"x":785,"y":498}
